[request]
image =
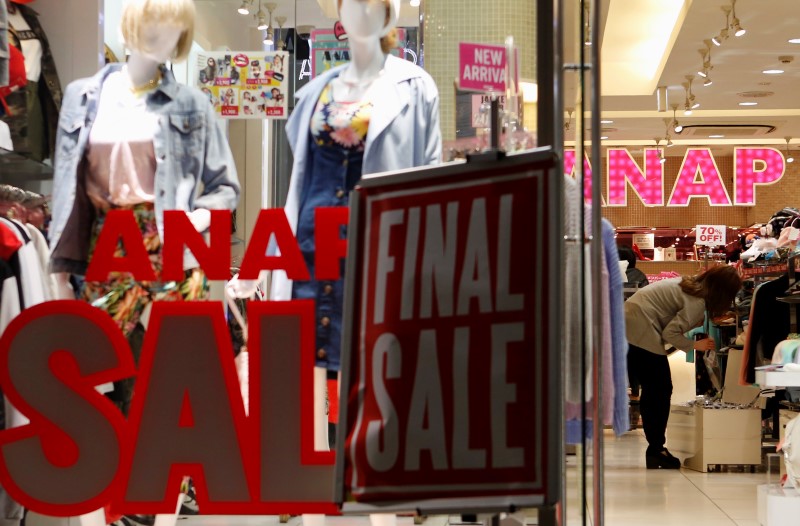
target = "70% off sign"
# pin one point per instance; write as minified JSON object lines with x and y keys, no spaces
{"x":710,"y":235}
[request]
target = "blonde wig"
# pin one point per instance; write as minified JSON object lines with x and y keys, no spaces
{"x":137,"y":14}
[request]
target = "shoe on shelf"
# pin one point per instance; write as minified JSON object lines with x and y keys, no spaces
{"x":662,"y":460}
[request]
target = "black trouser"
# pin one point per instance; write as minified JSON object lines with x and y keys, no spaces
{"x":653,"y":373}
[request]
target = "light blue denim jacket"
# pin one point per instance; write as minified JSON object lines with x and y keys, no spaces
{"x":194,"y":165}
{"x":403,"y":133}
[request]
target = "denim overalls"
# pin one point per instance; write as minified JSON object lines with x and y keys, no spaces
{"x":338,"y":136}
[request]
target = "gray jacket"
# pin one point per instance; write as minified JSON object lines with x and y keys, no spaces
{"x":659,"y":314}
{"x":191,"y":151}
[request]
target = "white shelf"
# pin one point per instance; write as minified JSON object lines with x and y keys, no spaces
{"x":778,"y":379}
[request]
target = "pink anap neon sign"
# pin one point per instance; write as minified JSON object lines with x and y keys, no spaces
{"x":698,"y":177}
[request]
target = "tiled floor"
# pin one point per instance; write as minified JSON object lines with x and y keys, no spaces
{"x":635,"y":496}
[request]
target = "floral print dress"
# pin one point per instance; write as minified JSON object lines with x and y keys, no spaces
{"x":339,"y":135}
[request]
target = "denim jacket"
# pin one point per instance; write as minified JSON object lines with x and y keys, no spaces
{"x":191,"y":151}
{"x":403,"y":133}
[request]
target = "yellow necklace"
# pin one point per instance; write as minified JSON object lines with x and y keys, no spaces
{"x":144,"y":88}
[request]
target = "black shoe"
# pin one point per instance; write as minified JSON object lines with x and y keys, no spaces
{"x":662,"y":460}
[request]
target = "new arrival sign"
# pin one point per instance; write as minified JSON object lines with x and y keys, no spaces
{"x":482,"y":67}
{"x":454,"y":313}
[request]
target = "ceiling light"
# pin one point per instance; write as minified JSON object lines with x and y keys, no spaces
{"x":415,"y":3}
{"x":675,"y":125}
{"x":708,"y":82}
{"x":772,"y":71}
{"x":789,"y":158}
{"x":705,"y":55}
{"x":604,"y":137}
{"x":716,"y":136}
{"x":794,"y":40}
{"x":269,"y":35}
{"x":723,"y":34}
{"x":262,"y":21}
{"x":748,"y":104}
{"x":244,"y":9}
{"x":606,"y":122}
{"x":690,"y":103}
{"x":738,"y":30}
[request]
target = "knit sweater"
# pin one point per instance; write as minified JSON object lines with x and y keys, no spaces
{"x":658,"y":315}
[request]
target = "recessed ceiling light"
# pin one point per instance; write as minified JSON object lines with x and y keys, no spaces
{"x":606,"y":122}
{"x":748,"y":104}
{"x":794,"y":41}
{"x":772,"y":71}
{"x":716,"y":136}
{"x":604,"y":137}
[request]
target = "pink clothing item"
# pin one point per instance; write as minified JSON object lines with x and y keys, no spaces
{"x":120,"y":173}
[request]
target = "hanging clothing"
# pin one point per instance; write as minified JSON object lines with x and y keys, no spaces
{"x":5,"y":137}
{"x":619,"y":342}
{"x":20,"y":287}
{"x":34,"y":110}
{"x":29,"y":44}
{"x":339,"y":134}
{"x":770,"y":323}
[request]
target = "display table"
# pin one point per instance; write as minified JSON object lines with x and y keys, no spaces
{"x":778,"y":378}
{"x":714,"y":436}
{"x":778,"y":506}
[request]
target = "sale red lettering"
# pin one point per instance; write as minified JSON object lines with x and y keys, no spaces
{"x":120,"y":229}
{"x":78,"y":453}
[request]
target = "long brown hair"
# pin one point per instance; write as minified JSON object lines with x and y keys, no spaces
{"x":717,"y":286}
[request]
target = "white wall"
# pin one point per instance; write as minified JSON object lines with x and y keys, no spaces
{"x":75,"y":31}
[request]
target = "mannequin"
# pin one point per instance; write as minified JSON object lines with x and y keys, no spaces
{"x":132,"y":138}
{"x":374,"y":114}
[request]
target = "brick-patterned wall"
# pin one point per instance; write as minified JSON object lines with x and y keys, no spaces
{"x":769,"y":199}
{"x":447,"y":23}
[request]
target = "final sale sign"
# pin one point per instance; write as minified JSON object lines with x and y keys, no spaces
{"x":447,"y":382}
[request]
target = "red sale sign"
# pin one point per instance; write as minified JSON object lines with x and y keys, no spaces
{"x":454,"y":314}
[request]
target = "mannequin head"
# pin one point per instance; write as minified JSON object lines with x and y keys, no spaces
{"x":369,"y":19}
{"x":159,"y":29}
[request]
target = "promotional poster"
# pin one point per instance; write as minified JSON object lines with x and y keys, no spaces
{"x":245,"y":85}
